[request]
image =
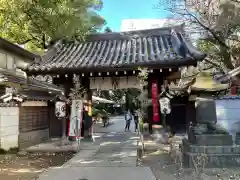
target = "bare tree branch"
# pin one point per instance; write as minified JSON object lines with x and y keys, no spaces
{"x":208,"y":29}
{"x":219,"y":22}
{"x":215,"y":65}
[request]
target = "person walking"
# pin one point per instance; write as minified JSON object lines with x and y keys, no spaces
{"x":128,"y":118}
{"x":136,"y":115}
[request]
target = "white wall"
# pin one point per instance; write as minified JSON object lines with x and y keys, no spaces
{"x":3,"y":60}
{"x":9,"y":60}
{"x":106,"y":83}
{"x":34,"y":103}
{"x":9,"y":127}
{"x":228,"y":114}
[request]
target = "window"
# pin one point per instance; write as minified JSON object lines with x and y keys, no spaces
{"x":3,"y":60}
{"x":10,"y":61}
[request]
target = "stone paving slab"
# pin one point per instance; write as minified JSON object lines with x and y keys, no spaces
{"x":82,"y":155}
{"x":109,"y":162}
{"x":99,"y":173}
{"x":113,"y":156}
{"x":125,"y":153}
{"x":54,"y":146}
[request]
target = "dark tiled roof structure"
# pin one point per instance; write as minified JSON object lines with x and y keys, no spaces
{"x":13,"y":77}
{"x":6,"y":45}
{"x":163,"y":47}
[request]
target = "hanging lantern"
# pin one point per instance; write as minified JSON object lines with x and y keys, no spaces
{"x":165,"y":105}
{"x":60,"y":109}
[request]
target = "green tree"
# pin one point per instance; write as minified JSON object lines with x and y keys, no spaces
{"x":132,"y":96}
{"x":107,"y":30}
{"x":117,"y":95}
{"x":39,"y":23}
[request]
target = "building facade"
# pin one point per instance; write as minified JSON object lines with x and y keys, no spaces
{"x":112,"y":61}
{"x":25,"y":108}
{"x":141,"y":24}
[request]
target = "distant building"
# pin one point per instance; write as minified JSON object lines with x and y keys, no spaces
{"x":139,"y":24}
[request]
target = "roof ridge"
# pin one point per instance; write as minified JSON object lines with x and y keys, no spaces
{"x":54,"y":49}
{"x":8,"y":44}
{"x":135,"y":33}
{"x":164,"y":48}
{"x":91,"y":37}
{"x":144,"y":30}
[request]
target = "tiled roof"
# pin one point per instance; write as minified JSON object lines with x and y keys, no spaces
{"x":164,"y":47}
{"x":7,"y":45}
{"x":13,"y":78}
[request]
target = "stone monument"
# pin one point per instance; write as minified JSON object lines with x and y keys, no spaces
{"x":206,"y":139}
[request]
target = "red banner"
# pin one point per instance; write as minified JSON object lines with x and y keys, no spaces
{"x":155,"y":103}
{"x":234,"y":90}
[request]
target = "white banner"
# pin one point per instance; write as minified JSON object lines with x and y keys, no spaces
{"x":73,"y":119}
{"x":76,"y":117}
{"x":79,"y":113}
{"x":108,"y":83}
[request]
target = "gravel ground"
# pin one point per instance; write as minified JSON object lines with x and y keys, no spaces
{"x":13,"y":167}
{"x":157,"y":157}
{"x":164,"y":169}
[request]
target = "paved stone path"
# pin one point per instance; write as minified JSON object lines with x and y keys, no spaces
{"x":111,"y":157}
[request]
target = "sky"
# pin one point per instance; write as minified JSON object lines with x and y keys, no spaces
{"x":114,"y":11}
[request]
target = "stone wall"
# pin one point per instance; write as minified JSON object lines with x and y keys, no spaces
{"x":9,"y":127}
{"x":208,"y":144}
{"x":31,"y":138}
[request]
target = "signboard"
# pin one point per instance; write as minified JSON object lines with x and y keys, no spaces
{"x":165,"y":105}
{"x":156,"y":116}
{"x":108,"y":83}
{"x":60,"y":109}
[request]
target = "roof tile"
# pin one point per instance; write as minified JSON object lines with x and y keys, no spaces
{"x":161,"y":47}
